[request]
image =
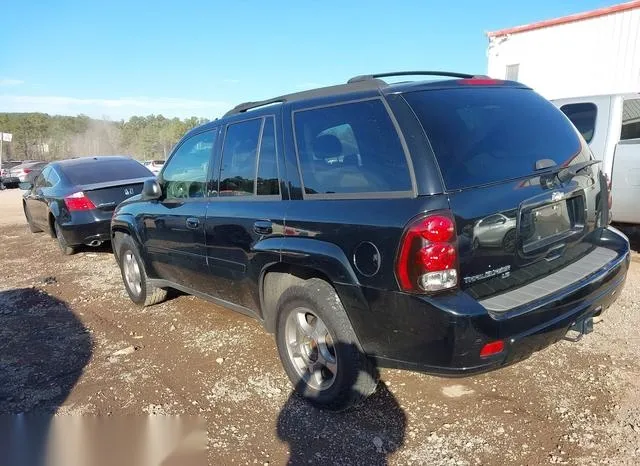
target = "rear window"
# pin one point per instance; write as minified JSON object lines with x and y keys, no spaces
{"x":583,"y":116}
{"x":484,"y":135}
{"x":103,"y":171}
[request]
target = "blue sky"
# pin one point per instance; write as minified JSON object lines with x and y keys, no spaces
{"x":118,"y":58}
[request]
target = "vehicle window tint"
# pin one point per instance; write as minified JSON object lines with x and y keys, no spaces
{"x":91,"y":171}
{"x":267,"y":182}
{"x":238,"y":174}
{"x":630,"y":120}
{"x":483,"y":135}
{"x":41,"y":181}
{"x":350,"y":148}
{"x":583,"y":117}
{"x":185,"y":174}
{"x":51,"y":176}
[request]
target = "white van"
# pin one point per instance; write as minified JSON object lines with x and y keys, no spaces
{"x":611,"y":126}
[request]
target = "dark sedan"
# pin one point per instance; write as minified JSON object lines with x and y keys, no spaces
{"x":73,"y":200}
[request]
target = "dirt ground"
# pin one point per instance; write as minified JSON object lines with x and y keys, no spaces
{"x":73,"y":343}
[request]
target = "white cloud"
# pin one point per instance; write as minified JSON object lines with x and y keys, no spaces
{"x":10,"y":82}
{"x":123,"y":107}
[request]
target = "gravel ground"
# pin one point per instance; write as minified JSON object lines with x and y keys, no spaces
{"x":71,"y":342}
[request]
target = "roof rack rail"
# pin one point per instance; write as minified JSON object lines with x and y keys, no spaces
{"x":243,"y":107}
{"x":368,"y":77}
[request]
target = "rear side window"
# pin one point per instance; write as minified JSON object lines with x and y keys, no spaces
{"x":485,"y":135}
{"x":350,"y":148}
{"x":239,"y":157}
{"x":104,"y":170}
{"x":267,"y":182}
{"x":583,"y":116}
{"x":630,"y":120}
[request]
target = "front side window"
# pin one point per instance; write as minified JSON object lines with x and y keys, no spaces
{"x":239,"y":155}
{"x":185,"y":174}
{"x":630,"y":120}
{"x":583,"y":116}
{"x":350,"y":148}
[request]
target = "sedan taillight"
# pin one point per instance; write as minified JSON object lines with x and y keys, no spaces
{"x":78,"y":201}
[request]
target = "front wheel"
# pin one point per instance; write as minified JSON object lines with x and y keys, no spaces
{"x":135,"y":277}
{"x":319,"y":349}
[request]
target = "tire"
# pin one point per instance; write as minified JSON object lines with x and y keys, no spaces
{"x":509,"y":241}
{"x":134,"y":275}
{"x":66,"y":249}
{"x":32,"y":227}
{"x":341,"y":376}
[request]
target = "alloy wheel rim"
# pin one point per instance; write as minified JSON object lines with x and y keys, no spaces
{"x":311,"y":349}
{"x":132,"y":273}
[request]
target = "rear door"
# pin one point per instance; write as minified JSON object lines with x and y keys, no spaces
{"x":37,"y":197}
{"x":173,"y":227}
{"x":498,"y":149}
{"x":248,"y":210}
{"x":625,"y":179}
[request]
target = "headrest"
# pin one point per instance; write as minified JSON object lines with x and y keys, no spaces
{"x":327,"y":146}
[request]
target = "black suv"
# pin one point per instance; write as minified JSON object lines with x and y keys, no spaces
{"x":448,"y":226}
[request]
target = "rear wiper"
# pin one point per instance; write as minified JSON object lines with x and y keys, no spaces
{"x":566,"y":173}
{"x":563,"y":173}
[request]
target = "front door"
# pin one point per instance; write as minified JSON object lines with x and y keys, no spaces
{"x":174,"y":225}
{"x":247,"y":211}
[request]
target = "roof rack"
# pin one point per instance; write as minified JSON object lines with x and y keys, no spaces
{"x":243,"y":107}
{"x":368,"y":77}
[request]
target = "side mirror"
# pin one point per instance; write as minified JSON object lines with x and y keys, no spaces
{"x":151,"y":189}
{"x":25,"y":186}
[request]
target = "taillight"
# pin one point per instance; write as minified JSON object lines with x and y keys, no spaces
{"x":428,"y":256}
{"x":26,"y":171}
{"x":78,"y":201}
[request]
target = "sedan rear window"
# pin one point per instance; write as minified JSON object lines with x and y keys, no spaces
{"x":485,"y":135}
{"x":103,"y":171}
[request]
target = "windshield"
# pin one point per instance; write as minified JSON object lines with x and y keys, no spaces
{"x":484,"y":135}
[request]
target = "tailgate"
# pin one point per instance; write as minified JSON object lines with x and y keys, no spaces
{"x":500,"y":151}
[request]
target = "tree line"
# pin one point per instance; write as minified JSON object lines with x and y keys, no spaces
{"x":39,"y":136}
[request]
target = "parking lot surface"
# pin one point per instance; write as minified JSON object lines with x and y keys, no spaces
{"x":73,"y":343}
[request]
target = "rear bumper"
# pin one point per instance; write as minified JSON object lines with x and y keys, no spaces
{"x":85,"y":228}
{"x":10,"y":180}
{"x":444,"y":334}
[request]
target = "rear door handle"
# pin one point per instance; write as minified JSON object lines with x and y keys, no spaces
{"x":263,"y":227}
{"x":193,"y":223}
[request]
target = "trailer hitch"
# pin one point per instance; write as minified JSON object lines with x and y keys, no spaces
{"x":579,"y":329}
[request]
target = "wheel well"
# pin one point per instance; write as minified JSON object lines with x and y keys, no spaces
{"x":275,"y":281}
{"x":116,"y":238}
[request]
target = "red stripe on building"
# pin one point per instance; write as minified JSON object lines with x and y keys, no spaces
{"x":567,"y":19}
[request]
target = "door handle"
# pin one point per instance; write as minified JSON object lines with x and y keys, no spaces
{"x":263,"y":227}
{"x":193,"y":223}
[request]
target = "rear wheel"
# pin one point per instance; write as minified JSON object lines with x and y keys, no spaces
{"x":66,"y":249}
{"x":135,"y":277}
{"x":319,"y":349}
{"x":27,"y":214}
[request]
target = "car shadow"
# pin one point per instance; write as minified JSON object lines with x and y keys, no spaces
{"x":366,"y":434}
{"x":43,"y":351}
